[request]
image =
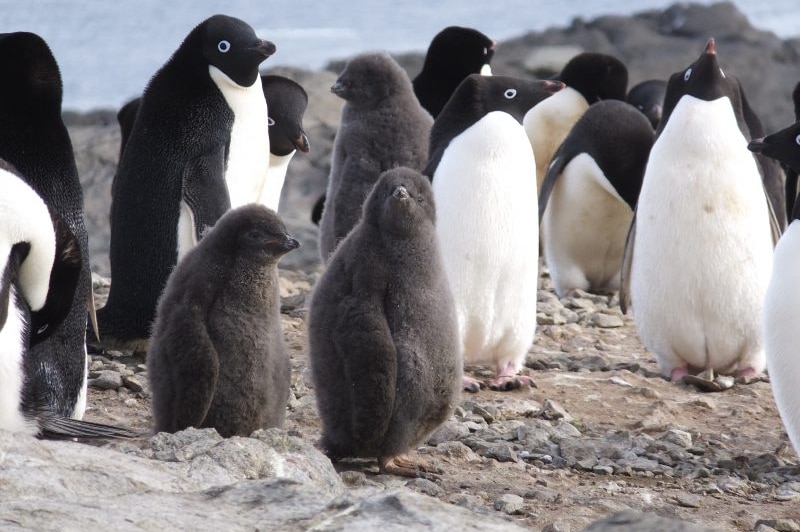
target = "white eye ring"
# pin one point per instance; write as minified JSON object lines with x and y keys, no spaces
{"x":270,"y":121}
{"x":510,"y":93}
{"x":687,"y":74}
{"x":223,"y":46}
{"x":797,"y":140}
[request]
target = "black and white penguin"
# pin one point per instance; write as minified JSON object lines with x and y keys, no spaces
{"x":482,"y":166}
{"x":35,"y":141}
{"x":782,"y":301}
{"x":217,"y":357}
{"x":383,"y":337}
{"x":454,"y":53}
{"x":200,"y":133}
{"x":286,"y":102}
{"x":588,"y":196}
{"x":589,"y":77}
{"x":382,"y":126}
{"x":702,"y":225}
{"x":648,"y":97}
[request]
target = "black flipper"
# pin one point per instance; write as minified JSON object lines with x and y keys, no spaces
{"x":555,"y":169}
{"x":204,"y":190}
{"x":625,"y":270}
{"x":52,"y":426}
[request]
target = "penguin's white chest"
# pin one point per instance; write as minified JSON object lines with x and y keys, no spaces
{"x":703,"y":248}
{"x":248,"y":156}
{"x":12,"y":349}
{"x":781,"y":331}
{"x":488,"y":230}
{"x":271,"y":193}
{"x":584,"y":227}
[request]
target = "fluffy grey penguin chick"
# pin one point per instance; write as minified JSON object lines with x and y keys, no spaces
{"x":383,"y":338}
{"x":217,"y":356}
{"x":383,"y":126}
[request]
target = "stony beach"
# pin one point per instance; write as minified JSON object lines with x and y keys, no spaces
{"x":602,"y":442}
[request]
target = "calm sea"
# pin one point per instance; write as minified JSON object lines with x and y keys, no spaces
{"x":108,"y":50}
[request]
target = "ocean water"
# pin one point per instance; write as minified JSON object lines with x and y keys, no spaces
{"x":108,"y":50}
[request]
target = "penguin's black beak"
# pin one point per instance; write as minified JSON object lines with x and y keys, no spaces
{"x":339,"y":87}
{"x":711,"y":47}
{"x":288,"y":243}
{"x":265,"y":48}
{"x":757,"y":145}
{"x":301,"y":142}
{"x":400,"y":192}
{"x":553,"y":85}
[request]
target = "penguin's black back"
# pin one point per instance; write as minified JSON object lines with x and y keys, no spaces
{"x":34,"y":139}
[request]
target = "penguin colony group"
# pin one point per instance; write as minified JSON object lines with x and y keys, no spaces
{"x":430,"y":234}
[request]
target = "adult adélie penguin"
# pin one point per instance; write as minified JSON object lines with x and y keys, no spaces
{"x":782,"y":301}
{"x":699,"y":252}
{"x":482,"y":164}
{"x":34,"y":140}
{"x":199,"y":144}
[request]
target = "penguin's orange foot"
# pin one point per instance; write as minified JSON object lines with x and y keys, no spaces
{"x":404,"y":466}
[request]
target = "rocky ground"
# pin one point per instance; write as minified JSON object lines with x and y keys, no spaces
{"x":601,"y":433}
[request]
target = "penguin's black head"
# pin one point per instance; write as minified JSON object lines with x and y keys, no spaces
{"x":31,"y":78}
{"x":648,"y":98}
{"x":783,"y":146}
{"x":232,"y":46}
{"x":596,"y":76}
{"x":401,"y":203}
{"x":252,"y":232}
{"x":796,"y":100}
{"x":459,"y":51}
{"x":286,"y":103}
{"x":371,"y":78}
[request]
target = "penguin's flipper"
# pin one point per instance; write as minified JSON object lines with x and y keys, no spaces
{"x":64,"y":278}
{"x":774,"y":225}
{"x":554,"y":170}
{"x":364,"y":342}
{"x":204,"y":190}
{"x":316,"y":211}
{"x":52,"y":426}
{"x":625,"y":271}
{"x":92,"y":310}
{"x":433,"y":162}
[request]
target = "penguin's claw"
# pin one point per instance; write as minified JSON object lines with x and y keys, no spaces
{"x":471,"y":385}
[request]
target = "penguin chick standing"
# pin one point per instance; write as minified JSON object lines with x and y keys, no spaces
{"x":383,"y":339}
{"x":701,"y":243}
{"x":589,"y":77}
{"x":35,"y":141}
{"x":286,"y":101}
{"x":482,"y":166}
{"x":454,"y":53}
{"x":588,"y":196}
{"x":382,"y":126}
{"x":782,"y":301}
{"x":195,"y":129}
{"x":217,"y":357}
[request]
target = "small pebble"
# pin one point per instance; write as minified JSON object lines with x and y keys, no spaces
{"x":509,"y":504}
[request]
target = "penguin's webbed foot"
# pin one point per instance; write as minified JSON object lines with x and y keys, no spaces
{"x":748,"y":375}
{"x":471,"y":385}
{"x":505,"y":383}
{"x":404,"y":466}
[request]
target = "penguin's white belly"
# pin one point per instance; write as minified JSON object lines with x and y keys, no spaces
{"x":12,"y":373}
{"x":782,"y":333}
{"x":488,"y":231}
{"x":703,"y":249}
{"x":584,"y":227}
{"x":276,"y":175}
{"x":248,"y":156}
{"x":548,"y":123}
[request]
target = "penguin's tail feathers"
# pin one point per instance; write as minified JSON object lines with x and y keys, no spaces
{"x":52,"y":426}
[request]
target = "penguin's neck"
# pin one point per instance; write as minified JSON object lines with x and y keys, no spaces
{"x":248,"y":156}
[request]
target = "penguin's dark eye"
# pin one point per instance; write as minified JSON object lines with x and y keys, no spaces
{"x":270,"y":121}
{"x":797,"y":140}
{"x":223,"y":46}
{"x":510,"y":93}
{"x":687,"y":74}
